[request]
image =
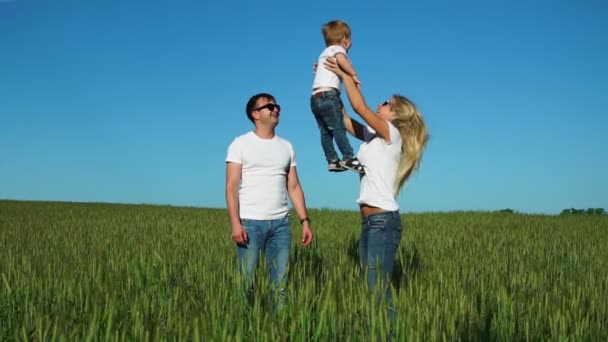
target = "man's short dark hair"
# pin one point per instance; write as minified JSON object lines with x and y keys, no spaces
{"x":251,"y":104}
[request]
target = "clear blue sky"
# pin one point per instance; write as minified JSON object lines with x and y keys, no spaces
{"x":137,"y":101}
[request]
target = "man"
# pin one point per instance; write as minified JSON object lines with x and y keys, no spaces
{"x":264,"y":165}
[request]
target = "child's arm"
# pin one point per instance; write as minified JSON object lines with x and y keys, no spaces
{"x":346,"y":65}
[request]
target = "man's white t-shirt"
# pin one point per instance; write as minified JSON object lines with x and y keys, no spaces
{"x":265,"y":165}
{"x":381,"y":162}
{"x":324,"y":77}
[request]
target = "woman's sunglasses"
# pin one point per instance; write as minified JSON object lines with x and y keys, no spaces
{"x":271,"y":107}
{"x":387,"y":102}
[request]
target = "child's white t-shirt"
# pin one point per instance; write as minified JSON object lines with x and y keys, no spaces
{"x":265,"y":165}
{"x":324,"y":77}
{"x":381,"y":162}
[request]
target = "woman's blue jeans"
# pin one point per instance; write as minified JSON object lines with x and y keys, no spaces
{"x":380,"y":237}
{"x":273,"y":237}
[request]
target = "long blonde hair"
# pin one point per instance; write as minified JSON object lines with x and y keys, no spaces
{"x":414,"y":137}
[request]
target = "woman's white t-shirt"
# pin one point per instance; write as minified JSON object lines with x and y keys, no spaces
{"x":265,"y":165}
{"x":381,"y":161}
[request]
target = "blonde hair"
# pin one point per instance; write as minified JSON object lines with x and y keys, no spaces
{"x":414,"y":137}
{"x":334,"y":31}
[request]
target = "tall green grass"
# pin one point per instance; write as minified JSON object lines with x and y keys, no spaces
{"x":74,"y":271}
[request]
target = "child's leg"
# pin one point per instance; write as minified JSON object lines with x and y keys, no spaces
{"x":322,"y":109}
{"x":338,"y":129}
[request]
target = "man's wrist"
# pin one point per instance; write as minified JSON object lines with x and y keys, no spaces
{"x":305,"y":219}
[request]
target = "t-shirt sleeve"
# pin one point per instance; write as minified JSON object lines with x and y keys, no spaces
{"x":234,"y":154}
{"x":369,"y":133}
{"x":292,"y":152}
{"x":336,"y":49}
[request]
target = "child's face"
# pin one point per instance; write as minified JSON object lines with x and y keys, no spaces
{"x":347,"y":43}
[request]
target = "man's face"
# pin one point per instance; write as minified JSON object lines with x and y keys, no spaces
{"x":267,"y":111}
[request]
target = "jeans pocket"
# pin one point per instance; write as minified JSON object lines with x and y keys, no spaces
{"x":397,"y":231}
{"x":252,"y":226}
{"x":374,"y":223}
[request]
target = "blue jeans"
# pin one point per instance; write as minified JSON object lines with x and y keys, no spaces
{"x":380,"y":237}
{"x":273,"y":237}
{"x":327,"y":109}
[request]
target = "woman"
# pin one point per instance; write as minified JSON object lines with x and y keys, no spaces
{"x":394,"y":139}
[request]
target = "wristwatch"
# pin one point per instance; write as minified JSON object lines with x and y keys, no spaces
{"x":306,"y":219}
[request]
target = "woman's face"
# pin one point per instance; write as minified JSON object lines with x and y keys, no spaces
{"x":385,"y":110}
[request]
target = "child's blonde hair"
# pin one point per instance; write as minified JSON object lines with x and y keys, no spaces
{"x":334,"y":31}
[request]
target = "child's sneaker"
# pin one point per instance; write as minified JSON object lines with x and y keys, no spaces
{"x":335,"y":166}
{"x":353,"y":164}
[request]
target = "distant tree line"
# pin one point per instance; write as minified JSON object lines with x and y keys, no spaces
{"x":588,"y":211}
{"x":571,"y":211}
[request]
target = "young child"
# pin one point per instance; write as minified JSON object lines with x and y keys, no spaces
{"x":325,"y":101}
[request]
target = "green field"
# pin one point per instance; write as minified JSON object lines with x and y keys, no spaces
{"x":74,"y":271}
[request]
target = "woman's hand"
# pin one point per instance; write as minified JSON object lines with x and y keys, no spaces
{"x":332,"y":64}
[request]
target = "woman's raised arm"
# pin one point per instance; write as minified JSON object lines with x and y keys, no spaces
{"x":358,"y":102}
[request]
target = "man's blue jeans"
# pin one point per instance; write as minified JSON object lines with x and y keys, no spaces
{"x":380,"y":237}
{"x":328,"y":113}
{"x":273,"y":237}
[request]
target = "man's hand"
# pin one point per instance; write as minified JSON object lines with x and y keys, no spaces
{"x":239,"y":235}
{"x":306,"y":234}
